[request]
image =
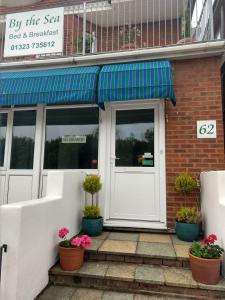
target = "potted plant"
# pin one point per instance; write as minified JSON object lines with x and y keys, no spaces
{"x":186,"y":28}
{"x":78,"y":43}
{"x":71,"y":251}
{"x":205,"y":259}
{"x":129,"y":35}
{"x":188,"y":219}
{"x":92,"y":222}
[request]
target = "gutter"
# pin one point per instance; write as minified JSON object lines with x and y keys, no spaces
{"x":176,"y":52}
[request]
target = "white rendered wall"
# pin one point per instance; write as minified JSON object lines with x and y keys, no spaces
{"x":213,"y":205}
{"x":30,"y":229}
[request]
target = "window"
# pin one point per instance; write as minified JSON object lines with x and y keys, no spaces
{"x":22,"y":154}
{"x":71,"y":138}
{"x":135,"y":138}
{"x":3,"y":126}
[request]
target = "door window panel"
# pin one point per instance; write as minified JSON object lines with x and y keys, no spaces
{"x":3,"y":127}
{"x":135,"y":138}
{"x":22,"y":153}
{"x":71,"y":139}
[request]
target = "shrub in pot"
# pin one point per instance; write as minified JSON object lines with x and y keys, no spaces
{"x":92,"y":222}
{"x":71,"y":251}
{"x":188,"y":219}
{"x":188,"y":224}
{"x":205,"y":259}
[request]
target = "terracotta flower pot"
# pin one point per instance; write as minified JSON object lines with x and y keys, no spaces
{"x":71,"y":258}
{"x":204,"y":270}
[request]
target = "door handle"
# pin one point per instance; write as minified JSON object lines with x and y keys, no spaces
{"x":114,"y":157}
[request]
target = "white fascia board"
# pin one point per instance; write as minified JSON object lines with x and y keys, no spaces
{"x":177,"y":52}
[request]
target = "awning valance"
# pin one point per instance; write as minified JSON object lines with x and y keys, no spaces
{"x":133,"y":81}
{"x":49,"y":86}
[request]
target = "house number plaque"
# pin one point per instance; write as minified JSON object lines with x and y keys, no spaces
{"x":206,"y":129}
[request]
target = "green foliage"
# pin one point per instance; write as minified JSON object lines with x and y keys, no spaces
{"x":184,"y":183}
{"x":206,"y":251}
{"x":91,"y":211}
{"x":65,"y":244}
{"x":190,"y":215}
{"x":92,"y":184}
{"x":78,"y":43}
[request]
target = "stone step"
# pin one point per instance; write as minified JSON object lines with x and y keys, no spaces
{"x":71,"y":293}
{"x":135,"y":278}
{"x":140,"y":248}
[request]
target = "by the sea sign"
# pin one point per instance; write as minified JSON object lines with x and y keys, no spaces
{"x":74,"y":139}
{"x":34,"y":32}
{"x":206,"y":129}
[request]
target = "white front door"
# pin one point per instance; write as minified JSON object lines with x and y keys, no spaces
{"x":137,"y":193}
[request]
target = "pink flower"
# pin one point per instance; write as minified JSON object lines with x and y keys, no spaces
{"x":210,"y":239}
{"x":76,"y":242}
{"x":63,"y":232}
{"x":85,"y":241}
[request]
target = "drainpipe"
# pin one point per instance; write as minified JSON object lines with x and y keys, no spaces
{"x":222,"y":21}
{"x":84,"y":28}
{"x":211,"y":22}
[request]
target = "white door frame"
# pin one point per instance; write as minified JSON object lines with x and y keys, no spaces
{"x":158,"y":106}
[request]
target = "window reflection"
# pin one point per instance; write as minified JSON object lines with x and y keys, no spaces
{"x":3,"y":126}
{"x":71,"y":138}
{"x":135,"y":138}
{"x":22,"y":153}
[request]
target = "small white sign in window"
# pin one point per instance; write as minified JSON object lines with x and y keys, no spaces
{"x":147,"y":155}
{"x":206,"y":129}
{"x":74,"y":139}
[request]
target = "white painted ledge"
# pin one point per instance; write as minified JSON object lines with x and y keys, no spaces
{"x":175,"y":52}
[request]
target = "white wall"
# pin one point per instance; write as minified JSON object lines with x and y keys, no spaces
{"x":30,"y":229}
{"x":213,"y":205}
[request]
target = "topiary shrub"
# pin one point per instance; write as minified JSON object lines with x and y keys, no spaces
{"x":184,"y":183}
{"x":189,"y":215}
{"x":91,"y":211}
{"x":92,"y":185}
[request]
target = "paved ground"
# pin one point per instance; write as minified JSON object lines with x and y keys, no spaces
{"x":145,"y":244}
{"x":69,"y":293}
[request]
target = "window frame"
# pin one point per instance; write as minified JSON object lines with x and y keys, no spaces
{"x":46,"y":108}
{"x":34,"y":108}
{"x":7,"y":139}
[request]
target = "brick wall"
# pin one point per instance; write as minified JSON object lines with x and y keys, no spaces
{"x":198,"y":90}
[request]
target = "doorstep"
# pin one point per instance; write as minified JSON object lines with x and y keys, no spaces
{"x":137,"y":278}
{"x":150,"y":248}
{"x":137,"y":263}
{"x":71,"y":293}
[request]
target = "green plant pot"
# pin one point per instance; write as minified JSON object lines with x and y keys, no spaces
{"x":92,"y":227}
{"x":187,"y":232}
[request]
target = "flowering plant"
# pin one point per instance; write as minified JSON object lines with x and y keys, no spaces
{"x":83,"y":241}
{"x":129,"y":33}
{"x":207,"y":248}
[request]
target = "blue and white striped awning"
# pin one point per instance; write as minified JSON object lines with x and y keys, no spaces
{"x":49,"y":86}
{"x":133,"y":81}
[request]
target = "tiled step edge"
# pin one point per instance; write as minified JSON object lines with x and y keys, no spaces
{"x":145,"y":279}
{"x":97,"y":294}
{"x":137,"y":259}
